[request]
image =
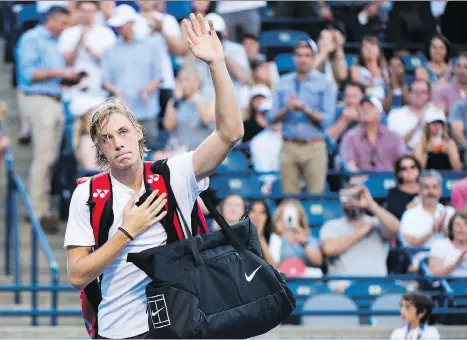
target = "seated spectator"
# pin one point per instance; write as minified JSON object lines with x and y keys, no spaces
{"x":436,"y":150}
{"x":265,"y":148}
{"x":252,"y":48}
{"x":426,"y":221}
{"x":189,"y":117}
{"x":370,"y":69}
{"x":459,"y":195}
{"x":233,"y":208}
{"x":82,"y":107}
{"x":357,"y":244}
{"x":458,"y":120}
{"x":260,"y":81}
{"x":292,"y":236}
{"x":261,"y":218}
{"x":370,"y":145}
{"x":255,"y":121}
{"x":416,"y":310}
{"x":396,"y":91}
{"x":331,"y":57}
{"x":446,"y":94}
{"x":448,"y":256}
{"x":438,"y":68}
{"x":305,"y":102}
{"x":349,"y":116}
{"x":408,"y":120}
{"x":407,"y":170}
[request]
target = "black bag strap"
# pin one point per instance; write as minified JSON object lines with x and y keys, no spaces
{"x":195,"y":251}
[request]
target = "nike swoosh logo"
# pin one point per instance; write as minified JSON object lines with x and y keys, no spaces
{"x":156,"y":312}
{"x":250,"y":277}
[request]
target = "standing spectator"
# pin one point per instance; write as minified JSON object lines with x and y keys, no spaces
{"x":396,"y":91}
{"x":132,"y":71}
{"x":261,"y":218}
{"x":445,"y":95}
{"x":448,"y":256}
{"x":458,"y":120}
{"x":407,"y":170}
{"x":190,"y":116}
{"x":305,"y":102}
{"x":83,"y":45}
{"x":42,"y":68}
{"x":256,"y":118}
{"x":348,"y":241}
{"x":241,"y":17}
{"x":438,"y":52}
{"x":408,"y":120}
{"x":422,"y":224}
{"x":370,"y":145}
{"x":292,"y":236}
{"x":331,"y":57}
{"x":370,"y":69}
{"x":436,"y":150}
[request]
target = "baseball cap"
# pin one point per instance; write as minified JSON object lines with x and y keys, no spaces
{"x":260,"y":91}
{"x":217,"y":20}
{"x":307,"y":43}
{"x":81,"y":104}
{"x":259,"y":59}
{"x":373,"y":100}
{"x":434,"y":114}
{"x":265,"y":105}
{"x":122,"y":15}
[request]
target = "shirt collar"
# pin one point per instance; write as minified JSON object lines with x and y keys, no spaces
{"x":117,"y":184}
{"x":45,"y":32}
{"x":363,"y":134}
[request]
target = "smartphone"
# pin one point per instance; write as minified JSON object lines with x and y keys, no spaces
{"x":291,"y":216}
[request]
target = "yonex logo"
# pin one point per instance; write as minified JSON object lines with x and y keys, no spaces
{"x":100,"y":193}
{"x":153,"y":178}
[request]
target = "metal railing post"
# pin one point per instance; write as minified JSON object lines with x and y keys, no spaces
{"x":16,"y":241}
{"x":8,"y":220}
{"x":34,"y":275}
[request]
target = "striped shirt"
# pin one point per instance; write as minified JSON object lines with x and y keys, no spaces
{"x":38,"y":50}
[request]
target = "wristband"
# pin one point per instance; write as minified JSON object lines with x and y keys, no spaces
{"x":126,"y":233}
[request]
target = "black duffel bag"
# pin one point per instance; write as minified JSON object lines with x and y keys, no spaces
{"x":215,"y":285}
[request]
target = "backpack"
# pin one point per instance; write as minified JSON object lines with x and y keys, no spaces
{"x":156,"y":177}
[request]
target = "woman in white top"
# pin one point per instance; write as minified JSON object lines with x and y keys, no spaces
{"x":448,"y":256}
{"x":416,"y":311}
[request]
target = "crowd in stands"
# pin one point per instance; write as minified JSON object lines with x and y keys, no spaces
{"x":403,"y":111}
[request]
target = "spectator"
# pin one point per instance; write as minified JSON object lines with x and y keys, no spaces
{"x":407,"y":170}
{"x":233,"y":208}
{"x":203,"y":7}
{"x":459,"y":195}
{"x":370,"y":145}
{"x":132,"y":71}
{"x":436,"y":150}
{"x":260,"y":81}
{"x":256,"y":121}
{"x":83,"y":45}
{"x":422,"y":224}
{"x":106,"y":8}
{"x":305,"y":102}
{"x":458,"y":120}
{"x":261,"y":219}
{"x":416,"y":310}
{"x":396,"y":91}
{"x":82,"y":108}
{"x":349,"y":240}
{"x":408,"y":120}
{"x":42,"y":68}
{"x":445,"y":95}
{"x":190,"y":116}
{"x":370,"y":69}
{"x":265,"y":147}
{"x":448,"y":256}
{"x":292,"y":237}
{"x":331,"y":57}
{"x":438,"y":52}
{"x":241,"y":17}
{"x":349,"y":116}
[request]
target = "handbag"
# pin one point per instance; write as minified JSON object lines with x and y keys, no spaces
{"x":215,"y":285}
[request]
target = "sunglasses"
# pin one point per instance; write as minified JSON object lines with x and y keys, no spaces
{"x":404,"y":168}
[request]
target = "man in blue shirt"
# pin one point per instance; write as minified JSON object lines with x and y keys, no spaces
{"x":132,"y":71}
{"x":305,"y":101}
{"x":41,"y":69}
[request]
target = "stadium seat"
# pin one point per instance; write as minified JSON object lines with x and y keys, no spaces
{"x":378,"y":183}
{"x":363,"y":292}
{"x":179,"y":9}
{"x":28,"y":13}
{"x":386,"y":302}
{"x":236,"y":161}
{"x":449,"y":179}
{"x":330,"y":302}
{"x":274,"y":42}
{"x":320,"y":211}
{"x":411,"y":62}
{"x":243,"y":186}
{"x":284,"y":62}
{"x":459,"y":288}
{"x":351,"y":59}
{"x":409,"y":78}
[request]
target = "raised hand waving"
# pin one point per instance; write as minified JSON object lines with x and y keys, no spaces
{"x":204,"y":45}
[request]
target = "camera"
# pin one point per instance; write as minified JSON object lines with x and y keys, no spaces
{"x":291,"y":216}
{"x":350,"y":194}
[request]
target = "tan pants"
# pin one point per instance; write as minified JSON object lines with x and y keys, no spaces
{"x":309,"y":160}
{"x":47,"y":125}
